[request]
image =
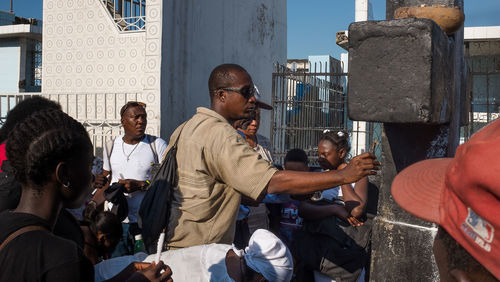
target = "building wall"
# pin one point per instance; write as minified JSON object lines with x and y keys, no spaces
{"x":84,"y":52}
{"x":9,"y":72}
{"x":168,"y":65}
{"x":199,"y":35}
{"x":6,"y":18}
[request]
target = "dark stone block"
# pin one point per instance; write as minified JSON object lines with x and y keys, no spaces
{"x":402,"y":252}
{"x":402,"y":146}
{"x":393,"y":5}
{"x":400,"y":71}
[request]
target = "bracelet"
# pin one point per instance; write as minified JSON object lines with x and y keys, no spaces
{"x":145,"y":187}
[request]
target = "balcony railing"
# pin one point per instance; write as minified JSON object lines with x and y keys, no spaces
{"x":129,"y":15}
{"x":98,"y":112}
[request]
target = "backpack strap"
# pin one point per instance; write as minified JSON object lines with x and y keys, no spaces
{"x":152,"y":143}
{"x":109,"y":148}
{"x":20,"y":231}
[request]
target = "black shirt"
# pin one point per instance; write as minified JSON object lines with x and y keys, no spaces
{"x":39,"y":255}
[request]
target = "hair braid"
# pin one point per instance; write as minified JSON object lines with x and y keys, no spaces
{"x":36,"y":145}
{"x":338,"y":138}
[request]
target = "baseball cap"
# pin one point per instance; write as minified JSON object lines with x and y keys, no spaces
{"x":461,"y":194}
{"x":260,"y":103}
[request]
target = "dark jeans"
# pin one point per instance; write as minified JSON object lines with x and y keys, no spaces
{"x":126,"y":244}
{"x":241,"y":234}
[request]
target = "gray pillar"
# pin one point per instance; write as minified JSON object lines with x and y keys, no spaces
{"x":408,"y":74}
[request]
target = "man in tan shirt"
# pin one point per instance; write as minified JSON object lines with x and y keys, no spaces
{"x":216,"y":166}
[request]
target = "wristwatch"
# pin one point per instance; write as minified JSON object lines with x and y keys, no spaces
{"x":146,"y":185}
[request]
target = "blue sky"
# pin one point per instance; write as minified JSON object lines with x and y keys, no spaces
{"x":312,"y":24}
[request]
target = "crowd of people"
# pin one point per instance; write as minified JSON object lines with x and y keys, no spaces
{"x":234,"y":214}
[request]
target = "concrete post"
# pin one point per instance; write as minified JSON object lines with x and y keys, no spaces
{"x":408,"y":74}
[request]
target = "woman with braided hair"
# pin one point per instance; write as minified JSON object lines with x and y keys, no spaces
{"x":51,"y":155}
{"x":336,"y":232}
{"x":349,"y":199}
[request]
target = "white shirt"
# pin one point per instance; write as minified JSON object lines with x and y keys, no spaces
{"x":198,"y":263}
{"x":334,"y":194}
{"x":138,"y":166}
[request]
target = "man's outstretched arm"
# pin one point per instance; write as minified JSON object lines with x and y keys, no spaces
{"x":295,"y":182}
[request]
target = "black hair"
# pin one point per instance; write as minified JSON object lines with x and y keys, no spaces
{"x":220,"y":76}
{"x":107,"y":223}
{"x":131,"y":104}
{"x":36,"y":145}
{"x":23,"y":110}
{"x":458,"y":257}
{"x":338,"y":138}
{"x":296,"y":155}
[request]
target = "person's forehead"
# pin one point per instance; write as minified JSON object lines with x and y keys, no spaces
{"x":326,"y":144}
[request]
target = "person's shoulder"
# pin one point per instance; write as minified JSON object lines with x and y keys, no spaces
{"x":155,"y":139}
{"x":117,"y":139}
{"x":62,"y":248}
{"x":213,"y":129}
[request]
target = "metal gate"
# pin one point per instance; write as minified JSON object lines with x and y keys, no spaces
{"x":304,"y":105}
{"x":483,"y":59}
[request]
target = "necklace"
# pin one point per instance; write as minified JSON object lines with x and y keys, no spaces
{"x":123,"y":149}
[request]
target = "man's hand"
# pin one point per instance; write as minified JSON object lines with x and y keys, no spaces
{"x":100,"y":181}
{"x":131,"y":185}
{"x":137,"y":271}
{"x":359,"y":167}
{"x":152,"y":272}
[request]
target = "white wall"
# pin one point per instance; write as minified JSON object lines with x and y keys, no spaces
{"x":199,"y":35}
{"x":84,"y":52}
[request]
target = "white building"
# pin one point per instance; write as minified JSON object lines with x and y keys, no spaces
{"x":99,"y":54}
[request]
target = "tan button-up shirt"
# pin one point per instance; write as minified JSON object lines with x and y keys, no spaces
{"x":215,"y":166}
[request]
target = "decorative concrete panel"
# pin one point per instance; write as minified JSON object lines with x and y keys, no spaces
{"x":84,"y":52}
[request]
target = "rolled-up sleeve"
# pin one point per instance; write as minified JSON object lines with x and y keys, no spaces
{"x":241,"y":168}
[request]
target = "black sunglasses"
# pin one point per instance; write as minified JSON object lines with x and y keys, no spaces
{"x":246,"y":91}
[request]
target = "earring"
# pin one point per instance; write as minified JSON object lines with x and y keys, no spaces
{"x":66,"y":185}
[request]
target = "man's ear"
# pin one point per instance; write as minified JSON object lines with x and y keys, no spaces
{"x":221,"y":95}
{"x":62,"y":173}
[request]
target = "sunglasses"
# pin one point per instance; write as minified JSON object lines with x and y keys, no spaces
{"x":132,"y":104}
{"x":246,"y":91}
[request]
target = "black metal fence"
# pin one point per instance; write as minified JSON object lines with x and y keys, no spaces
{"x":483,"y":59}
{"x":308,"y":102}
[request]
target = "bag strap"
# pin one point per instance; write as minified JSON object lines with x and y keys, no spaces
{"x":179,"y":135}
{"x":152,"y":143}
{"x":109,"y":148}
{"x":21,"y":231}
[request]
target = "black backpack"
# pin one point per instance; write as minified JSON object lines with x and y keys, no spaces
{"x":154,"y":212}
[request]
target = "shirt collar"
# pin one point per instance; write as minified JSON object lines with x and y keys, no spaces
{"x":209,"y":112}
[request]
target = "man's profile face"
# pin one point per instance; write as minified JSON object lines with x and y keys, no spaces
{"x":134,"y":121}
{"x":237,"y":106}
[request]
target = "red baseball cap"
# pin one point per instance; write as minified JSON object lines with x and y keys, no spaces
{"x":461,"y":194}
